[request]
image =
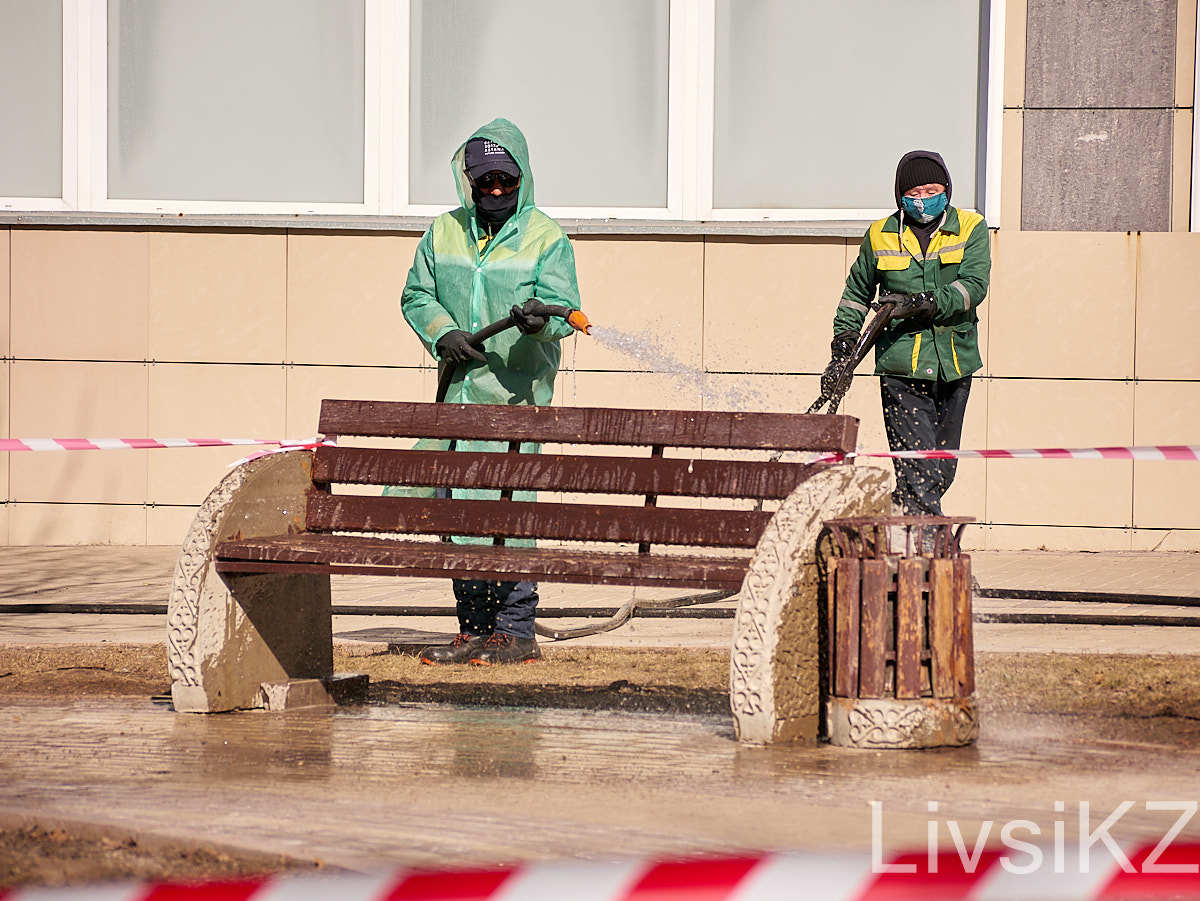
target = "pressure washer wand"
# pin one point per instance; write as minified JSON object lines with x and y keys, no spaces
{"x":883,"y":315}
{"x":575,"y":318}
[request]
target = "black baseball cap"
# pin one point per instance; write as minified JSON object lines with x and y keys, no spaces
{"x":481,"y":156}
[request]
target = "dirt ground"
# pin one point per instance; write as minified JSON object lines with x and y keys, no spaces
{"x":676,"y":680}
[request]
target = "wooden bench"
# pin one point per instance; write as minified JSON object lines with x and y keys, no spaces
{"x":275,"y":529}
{"x":324,"y":546}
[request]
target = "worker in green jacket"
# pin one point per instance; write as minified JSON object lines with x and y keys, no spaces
{"x":492,"y":257}
{"x":937,"y":258}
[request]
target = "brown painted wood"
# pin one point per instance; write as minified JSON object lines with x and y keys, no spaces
{"x":556,"y":472}
{"x":322,"y":553}
{"x":872,"y":675}
{"x":831,"y":579}
{"x":849,"y":574}
{"x":941,"y":624}
{"x":910,"y":584}
{"x":590,"y":425}
{"x":582,"y":522}
{"x":964,"y":640}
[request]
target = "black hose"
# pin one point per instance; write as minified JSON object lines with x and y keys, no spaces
{"x":490,"y":331}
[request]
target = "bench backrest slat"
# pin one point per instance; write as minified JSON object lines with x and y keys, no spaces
{"x":590,"y":425}
{"x":514,"y":519}
{"x":555,"y":472}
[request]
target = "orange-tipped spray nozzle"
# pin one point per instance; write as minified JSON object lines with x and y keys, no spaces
{"x":578,"y":320}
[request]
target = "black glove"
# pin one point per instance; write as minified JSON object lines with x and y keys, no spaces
{"x":920,"y":305}
{"x":841,"y":348}
{"x":526,"y":320}
{"x":454,"y":348}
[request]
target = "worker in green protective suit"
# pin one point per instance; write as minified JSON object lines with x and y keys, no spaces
{"x":490,"y":258}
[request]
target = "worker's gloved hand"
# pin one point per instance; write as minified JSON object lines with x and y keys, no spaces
{"x":920,"y":305}
{"x":526,"y":320}
{"x":453,"y":347}
{"x":841,"y":348}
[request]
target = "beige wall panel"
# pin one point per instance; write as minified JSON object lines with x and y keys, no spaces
{"x":1185,"y":52}
{"x":78,"y":400}
{"x":5,"y":459}
{"x":1062,"y":304}
{"x":1014,"y":52}
{"x":1158,"y":539}
{"x":1042,"y":413}
{"x":307,"y":386}
{"x":5,"y":519}
{"x":168,"y":525}
{"x":1166,"y":495}
{"x":761,"y":393}
{"x":209,"y":402}
{"x":5,"y":278}
{"x":968,"y":493}
{"x":649,"y":390}
{"x":1168,"y":320}
{"x":1181,"y":170}
{"x":1050,"y":538}
{"x":39,"y":524}
{"x":217,"y":297}
{"x":646,"y":290}
{"x":79,"y":295}
{"x":769,"y":303}
{"x":862,"y":401}
{"x":343,"y":299}
{"x":1012,"y":125}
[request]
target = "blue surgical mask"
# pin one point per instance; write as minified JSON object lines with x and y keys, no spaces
{"x":924,"y":209}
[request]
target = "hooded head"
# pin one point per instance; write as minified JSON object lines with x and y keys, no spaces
{"x":921,"y":167}
{"x":502,"y":134}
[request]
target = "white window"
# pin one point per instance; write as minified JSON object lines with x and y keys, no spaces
{"x":585,"y":82}
{"x":634,"y":109}
{"x":228,"y":100}
{"x":31,"y":99}
{"x":816,"y":102}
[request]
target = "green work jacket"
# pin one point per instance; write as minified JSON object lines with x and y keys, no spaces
{"x":955,"y":268}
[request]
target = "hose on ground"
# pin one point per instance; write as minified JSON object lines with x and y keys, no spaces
{"x":626,"y":612}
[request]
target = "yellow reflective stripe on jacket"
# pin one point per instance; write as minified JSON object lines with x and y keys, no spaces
{"x":954,"y":353}
{"x":916,"y":352}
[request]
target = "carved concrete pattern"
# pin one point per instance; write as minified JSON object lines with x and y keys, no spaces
{"x":890,"y":723}
{"x":183,"y":605}
{"x":773,"y":669}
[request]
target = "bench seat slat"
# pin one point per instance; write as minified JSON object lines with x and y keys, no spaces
{"x":555,"y":472}
{"x":590,"y":425}
{"x":320,"y":553}
{"x":515,"y":519}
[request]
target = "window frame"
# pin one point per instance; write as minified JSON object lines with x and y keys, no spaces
{"x":690,"y":131}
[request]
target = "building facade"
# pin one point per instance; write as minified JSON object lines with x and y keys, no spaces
{"x":207,"y":212}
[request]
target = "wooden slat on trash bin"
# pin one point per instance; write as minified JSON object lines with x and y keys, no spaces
{"x":942,"y":627}
{"x":964,"y":644}
{"x":872,"y":677}
{"x":849,"y":574}
{"x":910,"y":581}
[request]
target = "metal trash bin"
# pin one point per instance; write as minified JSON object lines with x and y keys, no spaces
{"x":900,"y":653}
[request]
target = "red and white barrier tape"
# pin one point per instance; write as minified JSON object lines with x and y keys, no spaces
{"x":1189,"y":452}
{"x":984,"y":874}
{"x":71,"y":444}
{"x":1174,"y":452}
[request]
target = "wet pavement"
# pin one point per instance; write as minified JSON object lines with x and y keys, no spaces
{"x":426,"y":784}
{"x":434,"y":784}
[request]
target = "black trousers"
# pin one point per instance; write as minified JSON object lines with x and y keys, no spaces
{"x":923,"y":415}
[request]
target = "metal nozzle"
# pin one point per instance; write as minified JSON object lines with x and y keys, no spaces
{"x":579,"y":321}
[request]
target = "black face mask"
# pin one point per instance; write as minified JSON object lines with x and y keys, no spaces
{"x":492,"y":211}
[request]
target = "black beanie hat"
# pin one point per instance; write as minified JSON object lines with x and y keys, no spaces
{"x":920,"y":170}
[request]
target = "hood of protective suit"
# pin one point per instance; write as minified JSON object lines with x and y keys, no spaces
{"x":912,"y":155}
{"x":508,"y":136}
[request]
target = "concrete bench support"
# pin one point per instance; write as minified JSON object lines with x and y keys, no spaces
{"x":774,"y":667}
{"x":227,"y":636}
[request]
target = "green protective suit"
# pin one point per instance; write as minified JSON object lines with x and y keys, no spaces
{"x":460,"y":281}
{"x":456,"y":284}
